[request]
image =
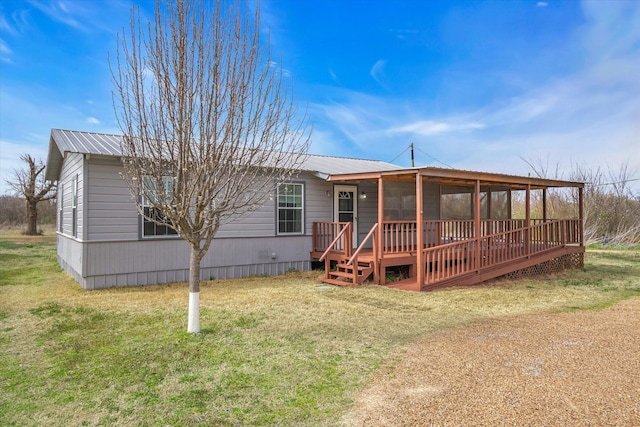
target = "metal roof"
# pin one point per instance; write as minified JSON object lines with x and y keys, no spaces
{"x":326,"y":167}
{"x":458,"y":177}
{"x":71,"y":141}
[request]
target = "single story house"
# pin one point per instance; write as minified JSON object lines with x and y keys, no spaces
{"x":361,"y":217}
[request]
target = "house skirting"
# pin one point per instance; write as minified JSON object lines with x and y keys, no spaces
{"x":182,"y":275}
{"x":552,"y":266}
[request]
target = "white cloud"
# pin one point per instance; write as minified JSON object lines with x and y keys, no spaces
{"x":93,"y":121}
{"x":429,"y":127}
{"x":333,"y":75}
{"x":59,"y":12}
{"x":377,"y":72}
{"x":4,"y":48}
{"x":15,"y":23}
{"x":5,"y":52}
{"x":403,"y":33}
{"x":279,"y":69}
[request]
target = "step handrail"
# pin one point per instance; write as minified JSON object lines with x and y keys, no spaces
{"x":330,"y":247}
{"x":355,"y":254}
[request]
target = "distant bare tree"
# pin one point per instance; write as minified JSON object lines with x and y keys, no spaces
{"x":209,"y":122}
{"x":30,"y":184}
{"x":611,"y":210}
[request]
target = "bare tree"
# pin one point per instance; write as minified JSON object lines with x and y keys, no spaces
{"x":209,"y":123}
{"x":30,"y":184}
{"x":611,"y":210}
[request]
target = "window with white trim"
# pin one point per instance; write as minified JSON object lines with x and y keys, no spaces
{"x":290,"y":206}
{"x":161,"y":227}
{"x":61,"y":208}
{"x":74,"y":206}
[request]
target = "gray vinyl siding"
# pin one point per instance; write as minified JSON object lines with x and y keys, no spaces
{"x":111,"y":211}
{"x":259,"y":223}
{"x":112,"y":214}
{"x":114,"y":254}
{"x":73,"y":166}
{"x":70,"y":256}
{"x":262,"y":222}
{"x":164,"y":261}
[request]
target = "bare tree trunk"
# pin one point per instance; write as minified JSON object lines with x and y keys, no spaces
{"x":193,"y":324}
{"x":30,"y":184}
{"x":32,"y":219}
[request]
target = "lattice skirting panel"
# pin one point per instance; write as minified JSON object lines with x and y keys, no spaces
{"x":556,"y":265}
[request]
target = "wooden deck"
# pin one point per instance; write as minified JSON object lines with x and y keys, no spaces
{"x":451,"y":256}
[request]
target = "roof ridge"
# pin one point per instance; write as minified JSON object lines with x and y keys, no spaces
{"x":310,"y":154}
{"x":87,"y":131}
{"x":347,"y":158}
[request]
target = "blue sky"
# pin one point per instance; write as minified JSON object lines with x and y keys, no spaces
{"x":476,"y":85}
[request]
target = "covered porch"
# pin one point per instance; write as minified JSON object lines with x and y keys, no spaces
{"x":450,"y":228}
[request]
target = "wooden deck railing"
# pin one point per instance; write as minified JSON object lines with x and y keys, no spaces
{"x":450,"y":249}
{"x":401,"y":236}
{"x":398,"y":237}
{"x":370,"y":235}
{"x":325,"y":232}
{"x":342,"y":242}
{"x":449,"y":260}
{"x":455,"y":259}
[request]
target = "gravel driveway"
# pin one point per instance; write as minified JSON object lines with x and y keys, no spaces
{"x":569,"y":369}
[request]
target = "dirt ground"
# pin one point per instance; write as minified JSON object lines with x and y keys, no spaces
{"x":570,"y":369}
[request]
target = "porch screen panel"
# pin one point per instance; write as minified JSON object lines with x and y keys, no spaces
{"x":484,"y":205}
{"x":399,"y":201}
{"x":456,"y":202}
{"x":499,"y":205}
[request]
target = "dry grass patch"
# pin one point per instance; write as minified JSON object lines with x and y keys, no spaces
{"x":273,"y":350}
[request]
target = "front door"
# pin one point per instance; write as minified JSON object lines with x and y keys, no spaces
{"x":345,"y":207}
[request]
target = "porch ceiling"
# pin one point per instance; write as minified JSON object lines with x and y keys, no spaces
{"x":458,"y":177}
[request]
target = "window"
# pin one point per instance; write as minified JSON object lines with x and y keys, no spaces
{"x":163,"y":226}
{"x":290,"y":208}
{"x":74,"y":206}
{"x":61,"y":208}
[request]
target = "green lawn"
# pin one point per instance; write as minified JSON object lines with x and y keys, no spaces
{"x":273,"y":351}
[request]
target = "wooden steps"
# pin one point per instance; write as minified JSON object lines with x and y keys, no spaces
{"x":349,"y":275}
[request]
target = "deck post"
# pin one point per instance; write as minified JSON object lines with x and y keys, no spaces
{"x":489,"y":229}
{"x":527,"y":222}
{"x":420,"y":232}
{"x":544,"y":217}
{"x":378,"y":275}
{"x":581,"y":214}
{"x":476,"y":221}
